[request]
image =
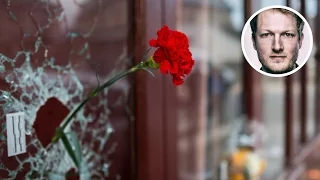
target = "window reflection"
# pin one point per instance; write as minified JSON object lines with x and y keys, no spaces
{"x":206,"y":118}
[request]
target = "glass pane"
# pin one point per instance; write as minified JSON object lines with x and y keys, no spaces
{"x":311,"y":12}
{"x":273,"y":116}
{"x":52,"y":50}
{"x":312,"y":163}
{"x":211,"y":97}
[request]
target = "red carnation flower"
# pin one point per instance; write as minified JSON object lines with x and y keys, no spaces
{"x":173,"y":54}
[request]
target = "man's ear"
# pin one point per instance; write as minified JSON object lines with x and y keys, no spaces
{"x":300,"y":41}
{"x":253,"y":42}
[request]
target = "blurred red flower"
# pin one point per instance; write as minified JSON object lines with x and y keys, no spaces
{"x":173,"y":54}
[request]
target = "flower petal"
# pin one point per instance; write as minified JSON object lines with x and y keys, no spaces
{"x":173,"y":54}
{"x":165,"y":67}
{"x":177,"y":80}
{"x":159,"y":55}
{"x":174,"y":67}
{"x":153,"y":43}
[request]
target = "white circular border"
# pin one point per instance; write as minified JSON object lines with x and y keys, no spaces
{"x":248,"y":25}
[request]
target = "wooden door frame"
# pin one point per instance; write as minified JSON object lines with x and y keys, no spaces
{"x":155,"y":98}
{"x":252,"y":89}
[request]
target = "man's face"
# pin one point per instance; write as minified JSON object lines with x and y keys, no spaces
{"x":277,"y":42}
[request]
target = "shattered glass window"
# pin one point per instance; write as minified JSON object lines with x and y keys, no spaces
{"x":61,"y":50}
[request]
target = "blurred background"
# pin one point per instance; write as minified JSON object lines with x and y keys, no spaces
{"x":282,"y":110}
{"x":144,"y":128}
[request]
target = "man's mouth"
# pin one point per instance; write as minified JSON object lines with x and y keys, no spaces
{"x":277,"y":58}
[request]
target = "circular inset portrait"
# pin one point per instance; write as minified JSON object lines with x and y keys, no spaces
{"x":276,"y":41}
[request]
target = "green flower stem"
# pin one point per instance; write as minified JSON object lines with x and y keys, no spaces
{"x":68,"y":147}
{"x":94,"y":93}
{"x":60,"y":130}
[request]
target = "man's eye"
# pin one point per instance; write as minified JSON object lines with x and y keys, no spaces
{"x":265,"y":34}
{"x":288,"y":35}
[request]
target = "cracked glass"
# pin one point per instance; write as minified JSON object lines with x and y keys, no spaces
{"x":63,"y":50}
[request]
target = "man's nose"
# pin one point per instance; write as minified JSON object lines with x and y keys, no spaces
{"x":277,"y":45}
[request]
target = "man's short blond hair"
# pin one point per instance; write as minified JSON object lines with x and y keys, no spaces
{"x":300,"y":23}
